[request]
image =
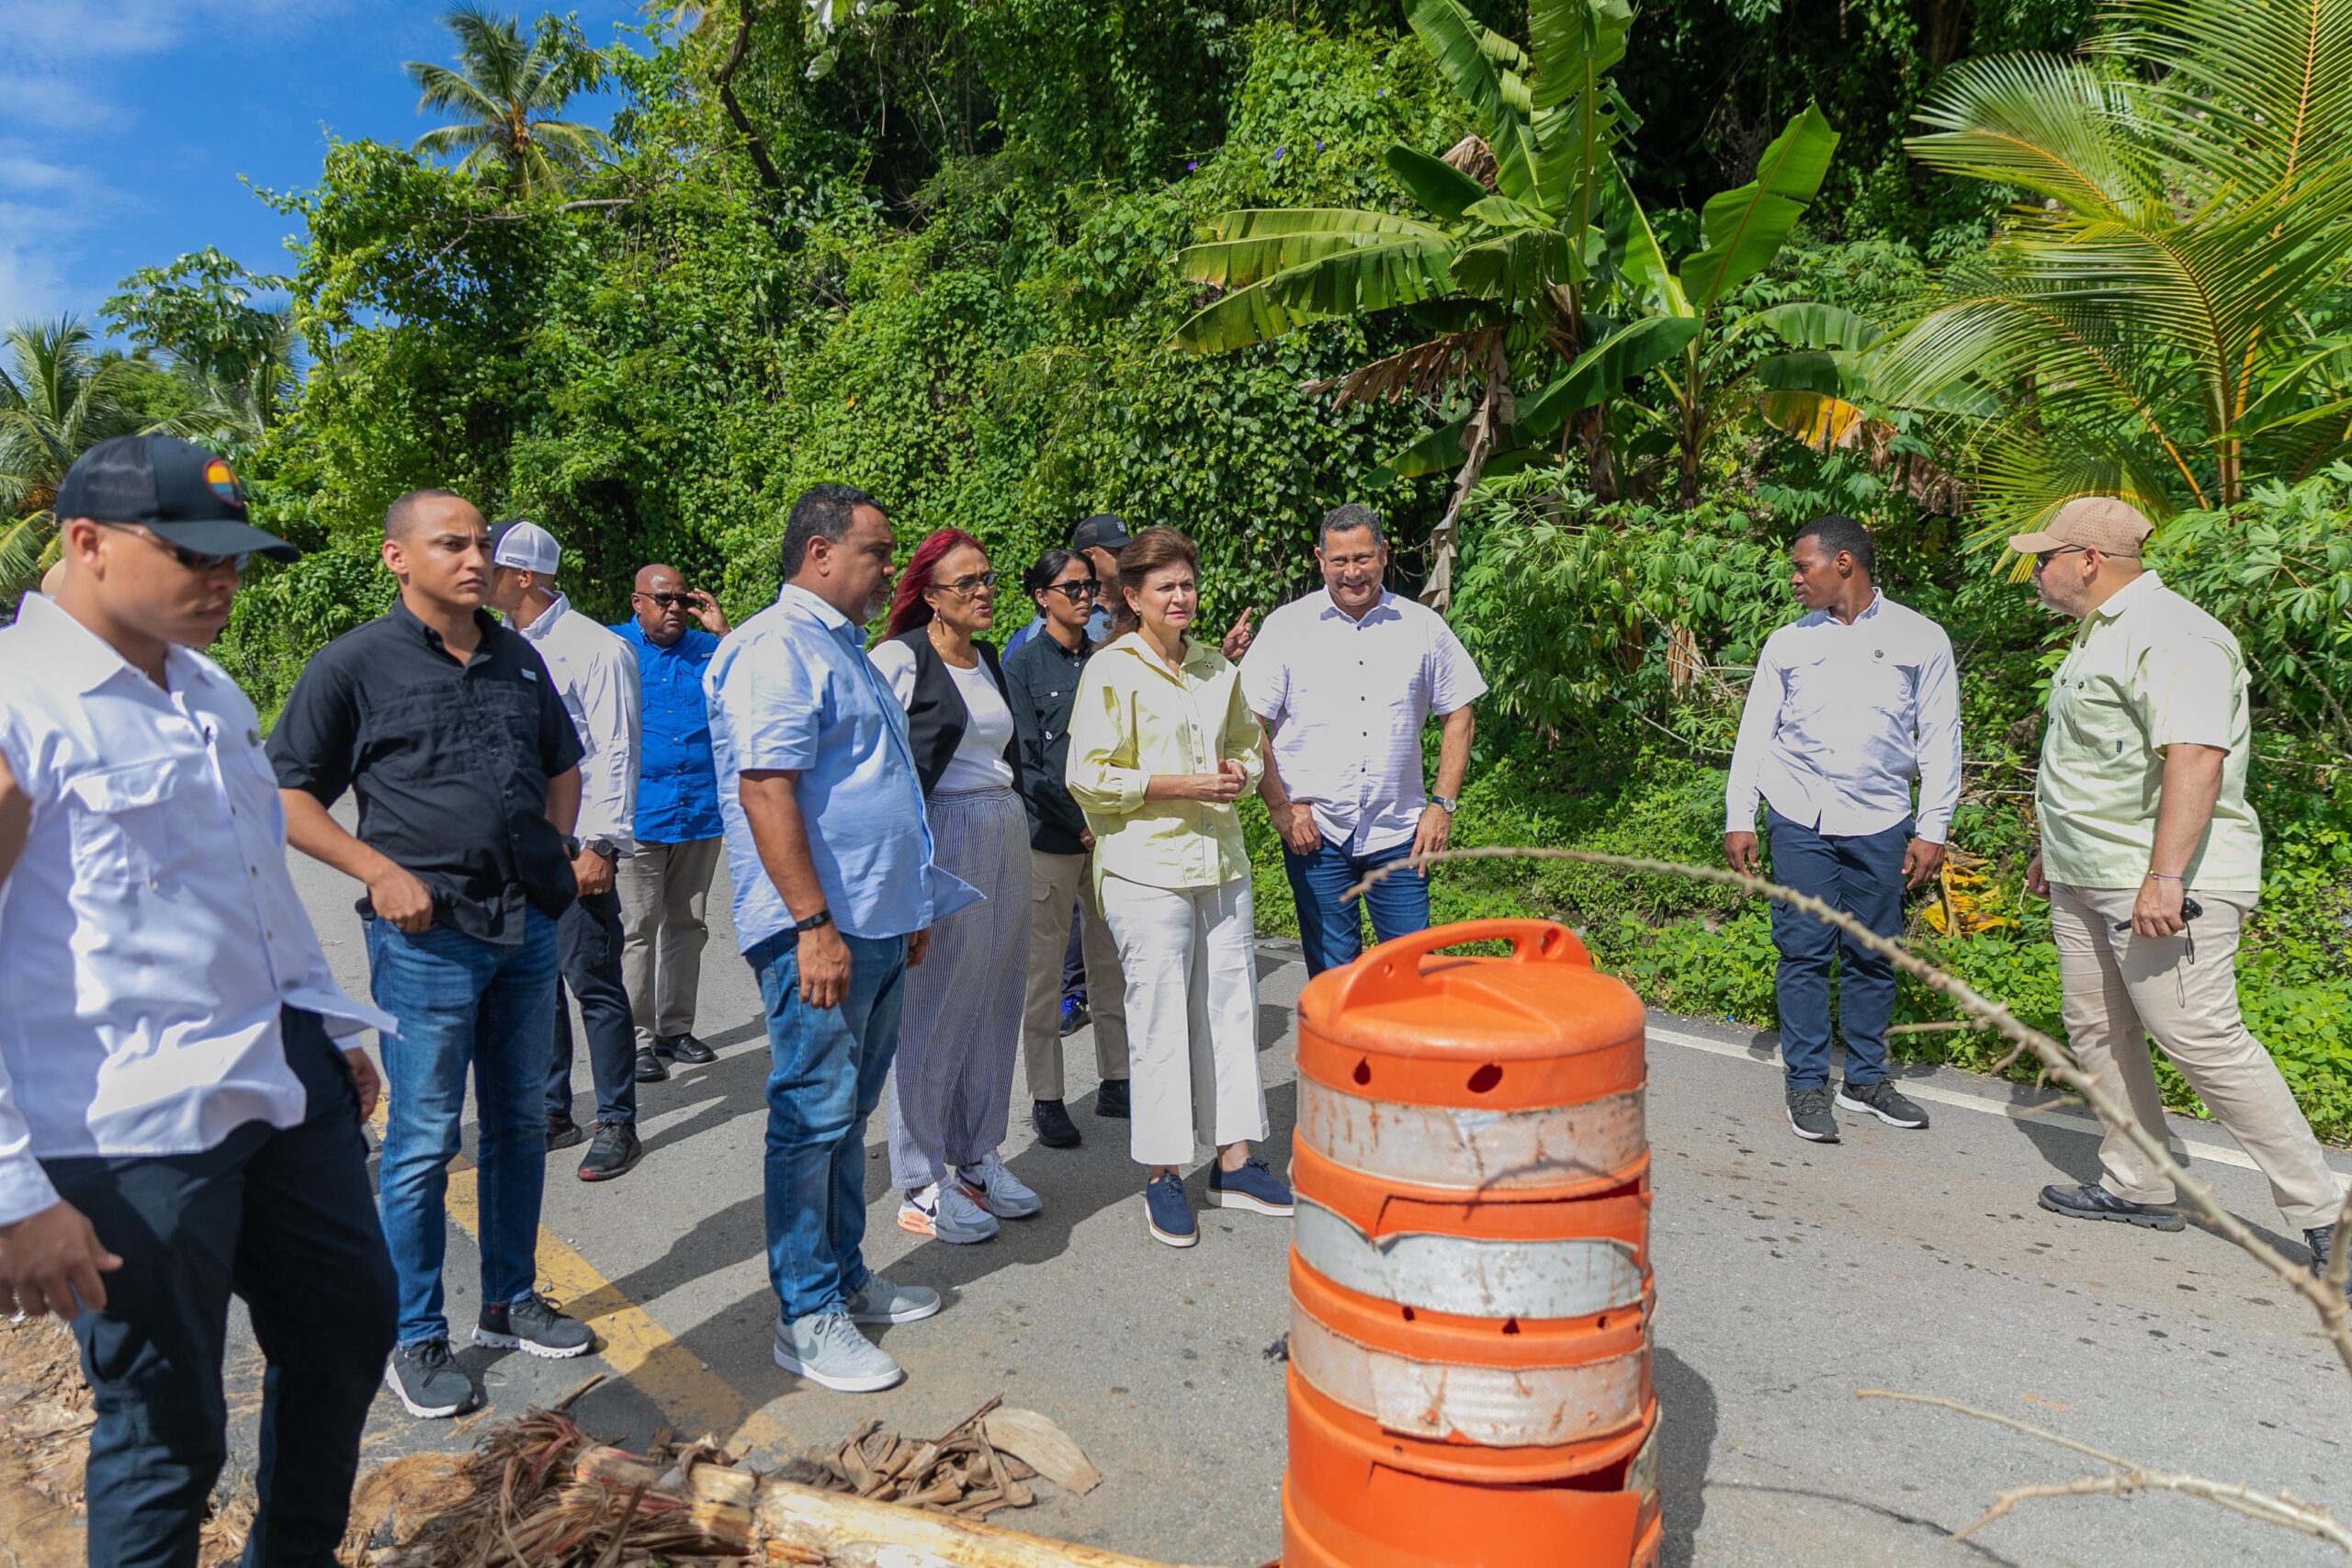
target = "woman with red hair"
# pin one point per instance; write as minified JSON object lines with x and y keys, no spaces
{"x":950,"y":1092}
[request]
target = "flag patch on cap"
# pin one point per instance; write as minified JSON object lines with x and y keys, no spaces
{"x":223,"y":482}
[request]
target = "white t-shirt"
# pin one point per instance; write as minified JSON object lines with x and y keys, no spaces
{"x":979,"y":762}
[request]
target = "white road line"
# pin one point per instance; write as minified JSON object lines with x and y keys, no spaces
{"x":2053,"y":1112}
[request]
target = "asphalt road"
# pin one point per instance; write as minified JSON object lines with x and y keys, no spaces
{"x":1789,"y":1276}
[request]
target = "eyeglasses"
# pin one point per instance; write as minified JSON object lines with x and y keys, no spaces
{"x":667,"y":601}
{"x":969,"y":585}
{"x":2044,"y":558}
{"x":1077,"y":593}
{"x":191,"y":560}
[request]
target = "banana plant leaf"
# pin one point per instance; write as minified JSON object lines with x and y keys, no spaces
{"x":1433,"y":452}
{"x":1252,"y":246}
{"x":1483,"y":70}
{"x":1740,"y":231}
{"x":1606,"y":369}
{"x":1401,"y":271}
{"x":1434,"y":182}
{"x":1517,"y":264}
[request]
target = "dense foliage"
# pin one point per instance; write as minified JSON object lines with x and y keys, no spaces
{"x":930,"y":247}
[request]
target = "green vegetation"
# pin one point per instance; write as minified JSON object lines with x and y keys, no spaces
{"x":1598,"y":304}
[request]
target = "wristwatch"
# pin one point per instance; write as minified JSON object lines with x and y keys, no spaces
{"x":1449,"y":802}
{"x":604,"y":847}
{"x":572,"y":845}
{"x":821,"y":917}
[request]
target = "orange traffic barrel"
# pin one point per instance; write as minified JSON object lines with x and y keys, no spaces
{"x":1471,"y":1297}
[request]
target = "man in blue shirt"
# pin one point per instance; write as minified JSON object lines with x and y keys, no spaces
{"x":665,"y":885}
{"x":835,"y":894}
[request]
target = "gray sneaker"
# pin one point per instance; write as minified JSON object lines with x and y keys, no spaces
{"x":1809,"y":1115}
{"x":886,"y":1300}
{"x":826,"y":1348}
{"x":429,"y":1381}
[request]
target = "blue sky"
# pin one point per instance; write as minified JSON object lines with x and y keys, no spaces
{"x":126,"y":124}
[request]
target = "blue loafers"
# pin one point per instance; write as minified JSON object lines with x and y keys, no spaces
{"x":1253,"y":1187}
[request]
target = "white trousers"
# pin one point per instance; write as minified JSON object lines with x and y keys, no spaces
{"x":1192,"y":991}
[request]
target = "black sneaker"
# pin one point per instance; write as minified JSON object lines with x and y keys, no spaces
{"x":429,"y":1381}
{"x":649,"y":1068}
{"x":563,"y":1133}
{"x":1073,"y":1016}
{"x":1111,"y":1100}
{"x":2091,"y":1202}
{"x":615,"y":1153}
{"x":685,"y":1048}
{"x":1809,"y":1114}
{"x":533,"y":1327}
{"x":2322,"y":1240}
{"x":1055,"y":1129}
{"x":1883,"y":1100}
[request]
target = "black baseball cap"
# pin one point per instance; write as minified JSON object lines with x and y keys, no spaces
{"x":1102,"y":531}
{"x":178,"y":491}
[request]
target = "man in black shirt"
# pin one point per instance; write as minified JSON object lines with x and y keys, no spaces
{"x":1041,"y":687}
{"x":467,"y":770}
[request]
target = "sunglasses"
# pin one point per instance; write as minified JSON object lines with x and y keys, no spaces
{"x":1077,"y":593}
{"x":969,"y":585}
{"x":667,"y":601}
{"x":2046,"y":556}
{"x":192,"y":559}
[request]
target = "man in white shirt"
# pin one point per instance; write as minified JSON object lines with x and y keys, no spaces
{"x":176,"y":1123}
{"x":596,"y":674}
{"x":1848,"y":704}
{"x":1344,"y":681}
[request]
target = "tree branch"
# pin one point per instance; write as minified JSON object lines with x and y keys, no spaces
{"x":753,"y":142}
{"x":2325,"y":1296}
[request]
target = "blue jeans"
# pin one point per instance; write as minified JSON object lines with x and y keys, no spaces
{"x":1332,"y":932}
{"x":828,"y":1067}
{"x":463,"y":1003}
{"x":1862,"y":875}
{"x":279,"y":1217}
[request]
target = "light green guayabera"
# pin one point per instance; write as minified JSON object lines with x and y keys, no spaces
{"x":1540,"y":279}
{"x":2161,"y":319}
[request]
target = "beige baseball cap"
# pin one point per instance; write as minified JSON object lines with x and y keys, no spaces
{"x":2100,"y":523}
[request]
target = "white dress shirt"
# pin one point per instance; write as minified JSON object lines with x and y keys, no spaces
{"x":1841,"y":719}
{"x":595,"y":674}
{"x":1346,"y":699}
{"x":149,"y":933}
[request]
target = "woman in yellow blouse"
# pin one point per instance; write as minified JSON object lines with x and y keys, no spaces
{"x":1161,"y":745}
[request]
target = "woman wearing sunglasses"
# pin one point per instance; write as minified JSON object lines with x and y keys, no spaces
{"x":951,"y":1089}
{"x":1042,"y":677}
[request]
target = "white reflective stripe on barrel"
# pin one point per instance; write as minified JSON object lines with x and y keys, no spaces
{"x":1471,"y":1276}
{"x":1477,"y":1151}
{"x":1500,"y":1407}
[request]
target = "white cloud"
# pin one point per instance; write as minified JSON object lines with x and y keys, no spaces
{"x":79,"y":31}
{"x":33,"y":284}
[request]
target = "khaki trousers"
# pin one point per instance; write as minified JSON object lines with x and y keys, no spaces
{"x":1192,"y":972}
{"x":2120,"y":988}
{"x":665,"y":891}
{"x":1055,"y":883}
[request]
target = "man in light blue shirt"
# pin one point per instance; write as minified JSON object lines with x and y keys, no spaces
{"x":1850,"y":703}
{"x":835,"y":896}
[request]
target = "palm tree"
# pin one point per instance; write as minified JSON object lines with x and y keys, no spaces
{"x":2155,"y":322}
{"x":505,"y":90}
{"x":57,"y":401}
{"x":238,"y":407}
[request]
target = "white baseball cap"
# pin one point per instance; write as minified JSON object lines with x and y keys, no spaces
{"x":526,"y":546}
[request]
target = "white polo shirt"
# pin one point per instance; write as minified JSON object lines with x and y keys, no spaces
{"x":149,"y":933}
{"x":1346,"y":699}
{"x":596,"y":674}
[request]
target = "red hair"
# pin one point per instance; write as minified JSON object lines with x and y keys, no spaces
{"x":908,"y":608}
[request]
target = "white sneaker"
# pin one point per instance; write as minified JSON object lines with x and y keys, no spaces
{"x":825,"y":1347}
{"x":999,"y":1192}
{"x":947,"y":1214}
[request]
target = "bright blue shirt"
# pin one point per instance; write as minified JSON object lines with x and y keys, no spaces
{"x":677,"y":785}
{"x":792,"y":690}
{"x":1098,"y":631}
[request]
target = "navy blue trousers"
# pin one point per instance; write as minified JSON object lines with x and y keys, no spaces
{"x":284,"y":1219}
{"x":1862,"y":875}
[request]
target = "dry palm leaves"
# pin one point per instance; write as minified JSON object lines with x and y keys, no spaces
{"x":960,"y":1472}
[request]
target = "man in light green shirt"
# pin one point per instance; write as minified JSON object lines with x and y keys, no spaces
{"x":2152,"y":859}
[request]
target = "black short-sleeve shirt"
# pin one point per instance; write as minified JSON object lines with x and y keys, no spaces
{"x":451,"y":764}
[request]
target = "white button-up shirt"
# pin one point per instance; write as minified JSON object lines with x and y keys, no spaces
{"x":1841,"y":719}
{"x":595,"y":674}
{"x":1346,"y":699}
{"x":149,"y":933}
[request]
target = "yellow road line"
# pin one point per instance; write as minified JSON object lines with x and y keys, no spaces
{"x":636,"y":1348}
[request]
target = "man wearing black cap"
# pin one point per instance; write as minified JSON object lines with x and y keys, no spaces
{"x":177,"y":1125}
{"x":447,"y":726}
